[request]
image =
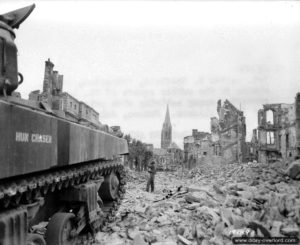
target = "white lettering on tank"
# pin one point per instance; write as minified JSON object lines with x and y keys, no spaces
{"x":35,"y":138}
{"x":22,"y":137}
{"x":39,"y":138}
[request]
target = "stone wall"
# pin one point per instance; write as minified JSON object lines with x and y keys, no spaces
{"x":229,"y":133}
{"x":88,"y":113}
{"x":197,"y":148}
{"x":278,"y":132}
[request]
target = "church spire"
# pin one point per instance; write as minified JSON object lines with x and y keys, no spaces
{"x":166,"y":132}
{"x":167,"y":117}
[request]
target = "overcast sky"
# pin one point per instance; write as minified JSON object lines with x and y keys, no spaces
{"x":129,"y":59}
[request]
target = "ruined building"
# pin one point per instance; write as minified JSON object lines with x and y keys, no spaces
{"x":226,"y":143}
{"x":166,"y":132}
{"x":228,"y":133}
{"x":197,"y":148}
{"x":61,"y":103}
{"x":278,"y":132}
{"x":168,"y":159}
{"x":251,"y":149}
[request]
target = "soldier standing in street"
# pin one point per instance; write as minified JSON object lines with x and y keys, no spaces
{"x":152,"y":171}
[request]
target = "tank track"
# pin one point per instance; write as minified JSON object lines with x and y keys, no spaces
{"x":26,"y":191}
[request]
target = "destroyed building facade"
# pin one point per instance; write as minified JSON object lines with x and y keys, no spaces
{"x":162,"y":158}
{"x":226,"y":142}
{"x":197,"y":148}
{"x":168,"y":159}
{"x":278,"y":132}
{"x":228,"y":133}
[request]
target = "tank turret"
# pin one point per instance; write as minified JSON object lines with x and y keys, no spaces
{"x":10,"y":78}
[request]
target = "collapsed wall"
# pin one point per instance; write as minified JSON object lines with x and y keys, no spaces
{"x":229,"y":133}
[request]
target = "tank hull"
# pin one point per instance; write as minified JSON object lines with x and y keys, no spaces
{"x":36,"y":141}
{"x":44,"y":160}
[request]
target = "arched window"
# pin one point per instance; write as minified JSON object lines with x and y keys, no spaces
{"x":270,"y":116}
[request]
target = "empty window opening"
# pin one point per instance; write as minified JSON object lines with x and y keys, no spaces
{"x":270,"y":116}
{"x":270,"y":138}
{"x":287,"y":141}
{"x":204,"y":153}
{"x":279,"y":141}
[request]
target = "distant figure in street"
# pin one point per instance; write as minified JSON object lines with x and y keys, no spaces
{"x":152,"y":171}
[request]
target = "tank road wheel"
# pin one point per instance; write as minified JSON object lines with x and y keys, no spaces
{"x":61,"y":230}
{"x":35,"y":239}
{"x":110,"y":187}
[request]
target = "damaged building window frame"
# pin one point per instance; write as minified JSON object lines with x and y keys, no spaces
{"x":270,"y":117}
{"x":287,"y":140}
{"x":270,"y":138}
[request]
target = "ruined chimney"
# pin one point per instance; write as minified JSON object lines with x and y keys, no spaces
{"x":60,"y":83}
{"x":54,"y":82}
{"x":47,"y":85}
{"x":195,"y":131}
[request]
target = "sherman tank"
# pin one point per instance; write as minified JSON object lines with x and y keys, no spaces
{"x":61,"y":178}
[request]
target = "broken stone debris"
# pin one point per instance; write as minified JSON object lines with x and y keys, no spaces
{"x":210,"y":207}
{"x":293,"y":170}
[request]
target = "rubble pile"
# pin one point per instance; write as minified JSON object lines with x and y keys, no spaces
{"x":133,"y":176}
{"x":209,"y":206}
{"x":194,"y":173}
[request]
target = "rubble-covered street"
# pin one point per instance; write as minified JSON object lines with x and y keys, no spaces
{"x":208,"y":205}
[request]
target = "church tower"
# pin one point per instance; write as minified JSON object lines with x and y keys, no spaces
{"x":166,"y":132}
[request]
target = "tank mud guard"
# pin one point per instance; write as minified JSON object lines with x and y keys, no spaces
{"x":85,"y":199}
{"x":13,"y":227}
{"x":14,"y":224}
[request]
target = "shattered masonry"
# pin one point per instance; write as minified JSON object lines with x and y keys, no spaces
{"x":229,"y":133}
{"x":278,"y":132}
{"x":225,"y":143}
{"x":207,"y":205}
